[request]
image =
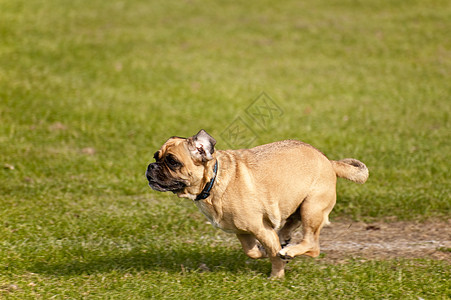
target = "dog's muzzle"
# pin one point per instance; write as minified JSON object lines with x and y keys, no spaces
{"x":157,"y":183}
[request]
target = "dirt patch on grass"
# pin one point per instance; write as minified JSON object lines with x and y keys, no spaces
{"x":342,"y":240}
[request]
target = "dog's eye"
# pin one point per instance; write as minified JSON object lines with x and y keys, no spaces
{"x":172,"y":162}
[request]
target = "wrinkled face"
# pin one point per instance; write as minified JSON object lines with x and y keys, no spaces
{"x":180,"y":163}
{"x":166,"y":173}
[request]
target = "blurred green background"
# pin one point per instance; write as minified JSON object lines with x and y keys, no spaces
{"x":368,"y":80}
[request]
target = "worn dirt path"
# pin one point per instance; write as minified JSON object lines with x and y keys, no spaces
{"x":342,"y":240}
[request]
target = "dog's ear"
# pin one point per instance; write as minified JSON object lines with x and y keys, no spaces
{"x":202,"y":146}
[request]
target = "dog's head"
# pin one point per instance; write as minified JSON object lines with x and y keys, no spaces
{"x":181,"y":164}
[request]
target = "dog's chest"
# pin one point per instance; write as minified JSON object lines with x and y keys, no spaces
{"x":214,"y":219}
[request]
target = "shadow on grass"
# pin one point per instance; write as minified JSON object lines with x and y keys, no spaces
{"x":170,"y":260}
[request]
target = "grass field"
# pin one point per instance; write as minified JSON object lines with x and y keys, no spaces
{"x":90,"y":89}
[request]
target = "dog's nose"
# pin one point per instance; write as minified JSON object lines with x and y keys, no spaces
{"x":150,"y":168}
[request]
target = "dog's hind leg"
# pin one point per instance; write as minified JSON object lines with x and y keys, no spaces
{"x":291,"y":224}
{"x":314,"y":215}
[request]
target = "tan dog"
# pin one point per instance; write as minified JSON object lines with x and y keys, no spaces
{"x":260,"y":194}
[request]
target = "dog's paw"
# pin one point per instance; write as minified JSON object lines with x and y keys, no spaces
{"x":281,"y":254}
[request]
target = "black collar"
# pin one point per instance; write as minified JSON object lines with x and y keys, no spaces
{"x":206,"y":191}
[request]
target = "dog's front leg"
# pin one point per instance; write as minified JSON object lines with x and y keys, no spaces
{"x":251,"y":247}
{"x":270,"y":240}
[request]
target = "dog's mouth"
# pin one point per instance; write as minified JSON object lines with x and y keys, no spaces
{"x":175,"y":186}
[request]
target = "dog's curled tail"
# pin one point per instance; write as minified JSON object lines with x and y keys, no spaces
{"x":351,"y":169}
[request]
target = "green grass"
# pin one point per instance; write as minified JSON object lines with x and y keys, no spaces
{"x":126,"y":250}
{"x":363,"y":79}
